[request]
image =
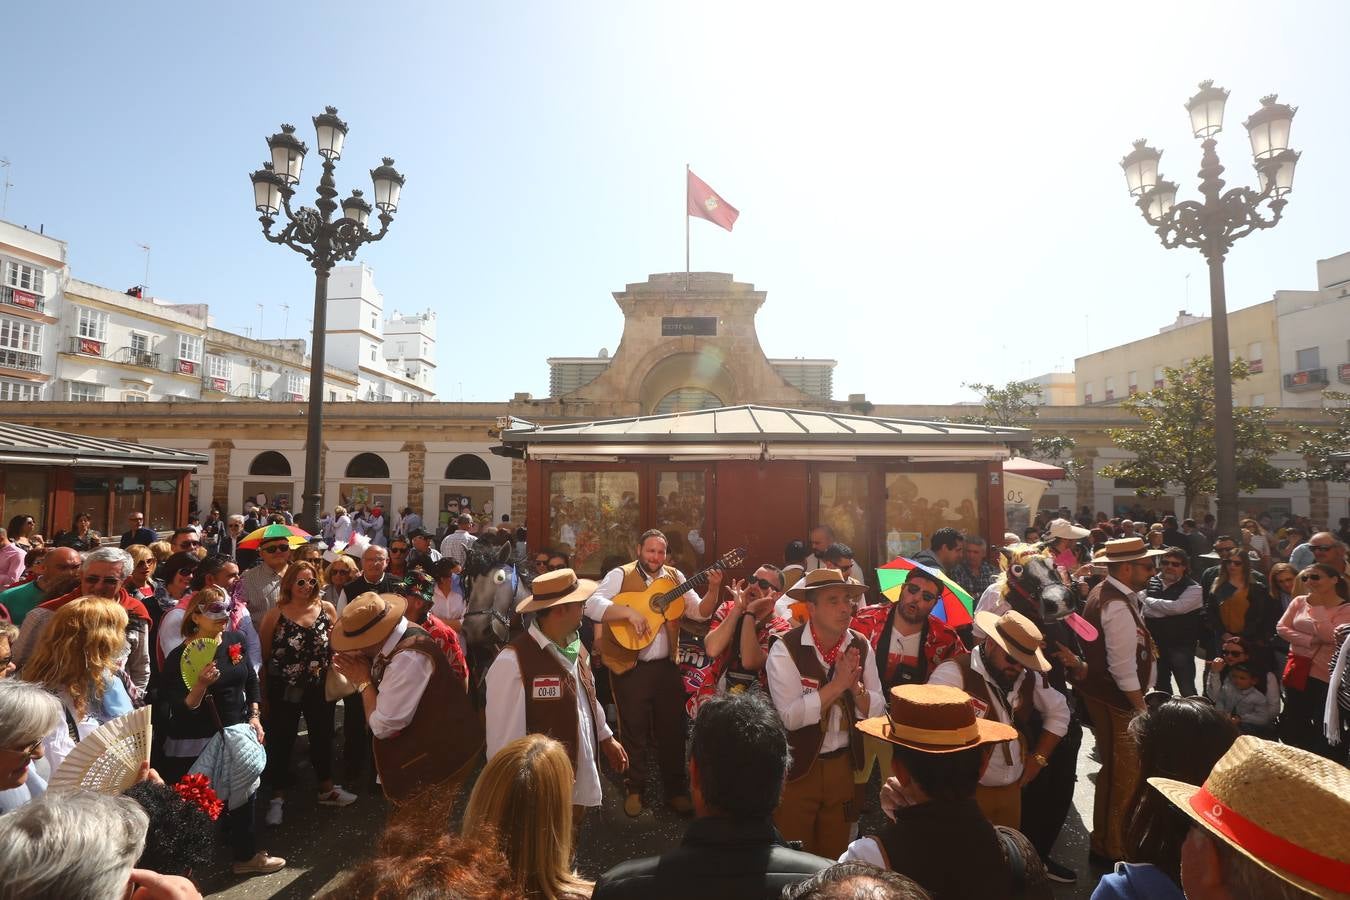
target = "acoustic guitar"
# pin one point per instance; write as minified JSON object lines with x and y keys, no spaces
{"x":663,"y":601}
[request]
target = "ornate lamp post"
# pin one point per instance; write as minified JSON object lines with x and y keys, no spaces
{"x":324,"y":241}
{"x":1211,"y":226}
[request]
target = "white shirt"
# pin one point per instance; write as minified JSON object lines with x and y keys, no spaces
{"x":798,"y":703}
{"x":1121,"y":635}
{"x":447,"y":607}
{"x":401,"y":688}
{"x":456,"y":545}
{"x":1050,"y":703}
{"x":342,"y":528}
{"x":506,"y":716}
{"x":1191,"y":599}
{"x":612,"y":585}
{"x":991,"y":600}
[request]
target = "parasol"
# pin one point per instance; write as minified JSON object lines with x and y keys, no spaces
{"x":293,"y":535}
{"x":956,"y":607}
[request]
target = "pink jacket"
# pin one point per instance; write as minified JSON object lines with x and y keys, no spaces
{"x":1310,"y":632}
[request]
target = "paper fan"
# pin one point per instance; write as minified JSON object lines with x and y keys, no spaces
{"x":109,"y":759}
{"x":197,"y":655}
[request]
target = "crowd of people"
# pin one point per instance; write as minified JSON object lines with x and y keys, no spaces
{"x":1211,"y":670}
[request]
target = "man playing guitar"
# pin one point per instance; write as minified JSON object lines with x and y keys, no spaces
{"x":647,"y":687}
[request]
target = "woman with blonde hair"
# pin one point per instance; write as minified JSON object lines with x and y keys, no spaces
{"x":77,"y":660}
{"x":162,"y":550}
{"x":1309,"y":625}
{"x":524,"y":795}
{"x":337,"y":576}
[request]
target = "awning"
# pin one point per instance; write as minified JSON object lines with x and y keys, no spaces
{"x":1020,"y":465}
{"x":27,"y":445}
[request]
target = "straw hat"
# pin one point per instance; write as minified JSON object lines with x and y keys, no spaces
{"x":818,"y":579}
{"x":556,"y":588}
{"x":1281,"y":807}
{"x":1125,"y":550}
{"x":1017,"y":635}
{"x":367,"y":620}
{"x":934,"y":718}
{"x":1063,"y":528}
{"x":791,"y":575}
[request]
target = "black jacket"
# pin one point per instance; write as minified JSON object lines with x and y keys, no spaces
{"x":719,"y":858}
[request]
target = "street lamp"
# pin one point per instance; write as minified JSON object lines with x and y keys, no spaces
{"x":324,"y":241}
{"x":1212,"y":226}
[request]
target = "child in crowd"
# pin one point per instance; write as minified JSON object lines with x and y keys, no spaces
{"x":1239,"y":697}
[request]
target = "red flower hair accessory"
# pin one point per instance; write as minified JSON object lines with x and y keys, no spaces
{"x":236,"y":653}
{"x":197,"y":789}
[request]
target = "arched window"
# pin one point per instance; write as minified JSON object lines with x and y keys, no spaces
{"x":367,"y":465}
{"x":269,"y":463}
{"x":468,"y":467}
{"x":687,"y":399}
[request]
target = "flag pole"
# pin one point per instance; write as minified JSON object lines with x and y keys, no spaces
{"x":686,"y":226}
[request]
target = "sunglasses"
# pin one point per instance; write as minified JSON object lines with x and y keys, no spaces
{"x":397,"y":551}
{"x":764,"y":584}
{"x":1175,"y":564}
{"x":275,"y":548}
{"x":928,"y":596}
{"x":1321,"y":548}
{"x":305,"y":582}
{"x":1313,"y":577}
{"x":106,"y":582}
{"x":541,"y":562}
{"x":345,"y":573}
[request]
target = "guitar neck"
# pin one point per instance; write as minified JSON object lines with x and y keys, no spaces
{"x":660,"y":603}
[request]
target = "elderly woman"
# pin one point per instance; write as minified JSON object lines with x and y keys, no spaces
{"x":1309,"y":625}
{"x":78,"y":661}
{"x":28,"y":714}
{"x":339,"y":574}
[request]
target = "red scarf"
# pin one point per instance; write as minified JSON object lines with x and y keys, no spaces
{"x":828,"y":655}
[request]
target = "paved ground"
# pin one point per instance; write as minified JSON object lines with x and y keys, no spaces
{"x":321,"y":843}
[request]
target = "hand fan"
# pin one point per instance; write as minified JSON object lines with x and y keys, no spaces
{"x":197,"y":655}
{"x":109,"y":760}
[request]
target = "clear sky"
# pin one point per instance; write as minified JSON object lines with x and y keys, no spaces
{"x":930,"y":193}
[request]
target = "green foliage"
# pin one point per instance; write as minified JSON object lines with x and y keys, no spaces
{"x":1319,"y":442}
{"x":1175,"y":443}
{"x":1016,"y":405}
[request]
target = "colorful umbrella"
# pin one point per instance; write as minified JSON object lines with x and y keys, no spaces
{"x":293,"y":535}
{"x":956,"y":608}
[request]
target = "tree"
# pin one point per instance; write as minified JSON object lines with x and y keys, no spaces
{"x":1174,"y":442}
{"x":1016,"y":405}
{"x":1320,"y":442}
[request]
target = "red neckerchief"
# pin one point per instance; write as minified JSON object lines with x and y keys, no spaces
{"x":828,"y":655}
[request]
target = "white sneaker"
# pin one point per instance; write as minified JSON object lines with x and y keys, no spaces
{"x":337,"y":797}
{"x":273,"y":816}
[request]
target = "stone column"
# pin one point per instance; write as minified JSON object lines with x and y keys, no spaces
{"x":518,"y":505}
{"x":220,"y":475}
{"x":1319,"y":503}
{"x":417,"y":469}
{"x":1084,"y":482}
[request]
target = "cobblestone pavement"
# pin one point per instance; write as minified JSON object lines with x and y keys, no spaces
{"x":320,"y":844}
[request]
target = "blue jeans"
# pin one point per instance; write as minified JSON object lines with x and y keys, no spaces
{"x":1176,"y":661}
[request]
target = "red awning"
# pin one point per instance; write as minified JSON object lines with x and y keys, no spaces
{"x":1031,"y":469}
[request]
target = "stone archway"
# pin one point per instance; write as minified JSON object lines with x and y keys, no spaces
{"x":684,"y":381}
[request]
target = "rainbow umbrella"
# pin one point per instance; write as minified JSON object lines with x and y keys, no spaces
{"x":293,"y":535}
{"x":956,"y":608}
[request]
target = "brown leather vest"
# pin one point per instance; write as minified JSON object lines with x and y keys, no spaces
{"x":551,"y":693}
{"x":806,"y":741}
{"x":973,"y":683}
{"x":618,"y":658}
{"x":445,"y":733}
{"x":1099,"y":683}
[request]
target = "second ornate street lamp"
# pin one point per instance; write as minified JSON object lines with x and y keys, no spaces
{"x":324,"y":241}
{"x":1211,"y":226}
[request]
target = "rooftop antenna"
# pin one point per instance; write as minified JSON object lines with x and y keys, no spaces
{"x":260,"y":320}
{"x":146,"y":248}
{"x":4,"y":204}
{"x":285,"y":318}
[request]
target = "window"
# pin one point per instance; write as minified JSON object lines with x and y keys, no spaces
{"x":295,"y":384}
{"x":93,"y":324}
{"x":218,"y":367}
{"x":19,"y":390}
{"x":594,"y":515}
{"x":1133,"y":379}
{"x":270,"y":463}
{"x":367,"y":465}
{"x":140,"y":343}
{"x":374,"y":323}
{"x":332,"y":396}
{"x":1110,"y":388}
{"x":190,"y":348}
{"x":135,"y":397}
{"x":1258,"y":399}
{"x":25,"y":278}
{"x":1087,"y":392}
{"x":1158,"y":380}
{"x":373,"y":356}
{"x":918,"y":504}
{"x":16,"y":335}
{"x":83,"y":390}
{"x":468,"y":467}
{"x":1309,"y":358}
{"x":1254,"y":357}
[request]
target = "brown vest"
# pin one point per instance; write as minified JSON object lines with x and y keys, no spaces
{"x":806,"y":741}
{"x":445,"y":733}
{"x":618,"y":658}
{"x":973,"y":683}
{"x":551,"y":693}
{"x":1099,"y":684}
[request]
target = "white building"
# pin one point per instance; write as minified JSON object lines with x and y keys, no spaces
{"x":1314,"y":335}
{"x":394,"y":358}
{"x":33,"y":273}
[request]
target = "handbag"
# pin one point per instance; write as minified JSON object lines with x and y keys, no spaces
{"x":336,"y":686}
{"x":1296,"y":672}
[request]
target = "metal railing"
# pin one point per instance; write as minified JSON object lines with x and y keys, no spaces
{"x":1306,"y":380}
{"x":38,"y":303}
{"x":219,"y":385}
{"x":133,"y":357}
{"x":87,"y":346}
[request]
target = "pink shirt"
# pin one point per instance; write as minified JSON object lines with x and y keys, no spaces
{"x":11,"y":564}
{"x":1310,"y":632}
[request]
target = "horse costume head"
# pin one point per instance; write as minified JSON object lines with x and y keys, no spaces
{"x":1032,"y":585}
{"x":491,"y":587}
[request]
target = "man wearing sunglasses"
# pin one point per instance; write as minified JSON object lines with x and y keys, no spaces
{"x":138,"y":533}
{"x":260,"y":586}
{"x":422,"y":555}
{"x":187,"y":540}
{"x":1323,"y":547}
{"x":1174,"y":613}
{"x":742,"y":630}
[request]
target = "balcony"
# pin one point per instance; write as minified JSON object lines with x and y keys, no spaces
{"x":87,"y":347}
{"x":131,"y":356}
{"x":249,"y":392}
{"x":10,"y":296}
{"x":20,"y":359}
{"x":1343,"y":373}
{"x":1306,"y":380}
{"x":216,"y":385}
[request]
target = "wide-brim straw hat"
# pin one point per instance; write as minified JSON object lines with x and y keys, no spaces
{"x":819,"y":579}
{"x":791,"y":575}
{"x":934,"y":718}
{"x":1283,"y":808}
{"x":1125,"y":550}
{"x":368,"y":619}
{"x":1063,"y":528}
{"x":1017,"y":635}
{"x":556,"y":588}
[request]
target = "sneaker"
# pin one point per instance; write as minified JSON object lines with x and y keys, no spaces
{"x":337,"y":797}
{"x":1059,"y":872}
{"x":261,"y":863}
{"x":273,"y":816}
{"x":632,"y":805}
